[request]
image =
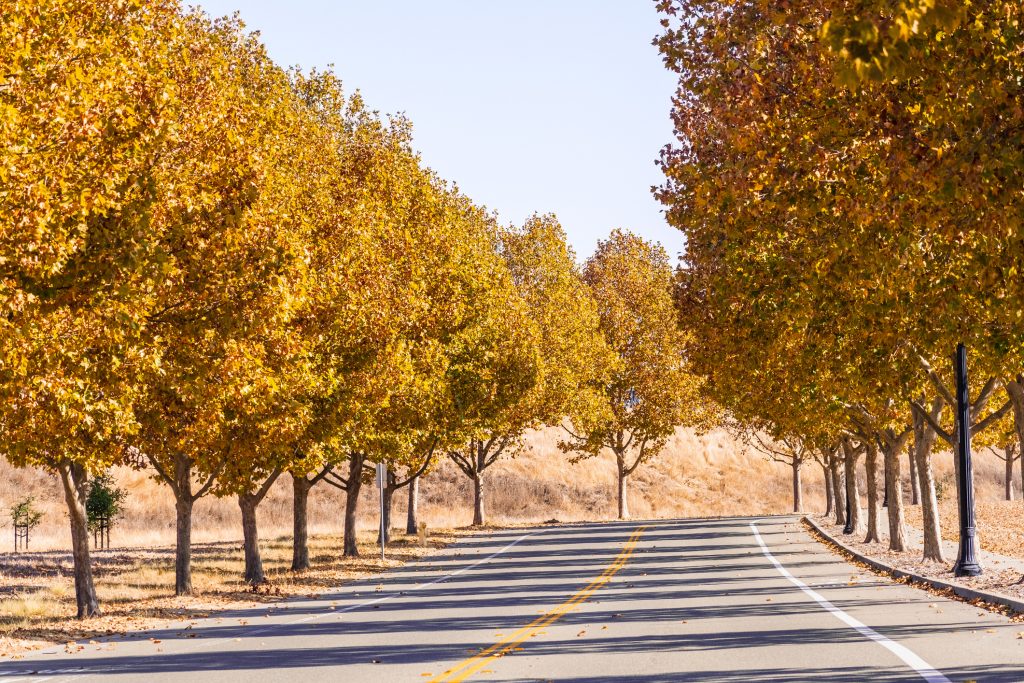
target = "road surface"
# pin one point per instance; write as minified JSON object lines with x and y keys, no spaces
{"x":739,"y":599}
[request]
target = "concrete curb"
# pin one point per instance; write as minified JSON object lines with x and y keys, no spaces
{"x":962,"y":591}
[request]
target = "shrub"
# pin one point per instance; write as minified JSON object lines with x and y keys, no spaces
{"x":105,"y":501}
{"x":25,"y":514}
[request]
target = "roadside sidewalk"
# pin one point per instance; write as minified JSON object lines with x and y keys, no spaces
{"x":1002,"y":581}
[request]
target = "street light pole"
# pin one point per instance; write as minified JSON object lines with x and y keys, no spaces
{"x":966,"y":563}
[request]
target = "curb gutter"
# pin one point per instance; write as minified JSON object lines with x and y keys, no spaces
{"x":962,"y":591}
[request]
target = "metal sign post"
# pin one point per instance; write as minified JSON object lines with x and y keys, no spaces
{"x":382,"y":475}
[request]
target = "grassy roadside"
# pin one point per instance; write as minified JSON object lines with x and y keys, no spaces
{"x":136,"y":585}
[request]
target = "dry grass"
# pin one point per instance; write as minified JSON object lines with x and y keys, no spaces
{"x":135,"y":585}
{"x":695,"y":476}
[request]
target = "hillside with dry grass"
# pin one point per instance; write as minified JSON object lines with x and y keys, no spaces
{"x":696,"y":475}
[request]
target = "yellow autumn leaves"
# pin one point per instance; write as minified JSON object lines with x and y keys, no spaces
{"x":228,"y":271}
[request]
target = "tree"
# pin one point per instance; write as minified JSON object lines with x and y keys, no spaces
{"x":1009,"y":456}
{"x":231,"y":276}
{"x":790,"y":451}
{"x":88,"y":112}
{"x":494,"y":366}
{"x":358,"y":299}
{"x":24,"y":518}
{"x":650,"y":390}
{"x":572,"y":354}
{"x":104,"y":502}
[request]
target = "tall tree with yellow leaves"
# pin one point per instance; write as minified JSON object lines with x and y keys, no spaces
{"x":572,"y":354}
{"x":650,"y":390}
{"x":87,"y":111}
{"x":231,"y":279}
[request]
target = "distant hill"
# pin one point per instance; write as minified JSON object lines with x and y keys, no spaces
{"x":696,"y":475}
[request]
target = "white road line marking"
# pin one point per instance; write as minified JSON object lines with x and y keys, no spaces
{"x":328,"y":613}
{"x":909,"y":658}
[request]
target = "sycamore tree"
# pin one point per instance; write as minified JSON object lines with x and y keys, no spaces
{"x":494,"y":365}
{"x":572,"y":355}
{"x":87,"y":112}
{"x":824,"y":189}
{"x":231,"y":280}
{"x":650,"y":389}
{"x":360,"y":249}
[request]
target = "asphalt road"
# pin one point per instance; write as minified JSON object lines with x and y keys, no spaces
{"x":691,"y":600}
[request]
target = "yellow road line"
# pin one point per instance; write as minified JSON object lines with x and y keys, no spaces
{"x":478,"y":661}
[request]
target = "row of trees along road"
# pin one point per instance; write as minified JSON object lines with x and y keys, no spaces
{"x":849,"y":182}
{"x":224,"y":272}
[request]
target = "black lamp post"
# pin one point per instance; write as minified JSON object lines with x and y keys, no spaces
{"x":966,"y":563}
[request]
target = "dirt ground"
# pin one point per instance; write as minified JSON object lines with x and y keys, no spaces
{"x":136,"y":585}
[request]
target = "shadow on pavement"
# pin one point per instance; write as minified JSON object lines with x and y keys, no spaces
{"x":700,"y":565}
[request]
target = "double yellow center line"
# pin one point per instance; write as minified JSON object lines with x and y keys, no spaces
{"x":478,"y":661}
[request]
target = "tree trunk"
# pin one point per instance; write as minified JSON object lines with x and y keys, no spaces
{"x":924,"y":438}
{"x":897,"y":524}
{"x":871,"y":466}
{"x":300,"y":525}
{"x":478,"y":499}
{"x":247,"y":503}
{"x":885,"y":483}
{"x":853,"y":521}
{"x":798,"y":499}
{"x":1015,"y":391}
{"x":355,"y":483}
{"x":479,"y":464}
{"x":915,"y":480}
{"x":412,"y":513}
{"x":183,"y":503}
{"x":75,"y":481}
{"x":623,"y":480}
{"x":183,"y":545}
{"x":829,"y":500}
{"x":838,"y":492}
{"x":1008,"y":452}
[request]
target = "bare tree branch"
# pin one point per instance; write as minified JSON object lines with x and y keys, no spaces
{"x":639,"y":458}
{"x":163,"y":475}
{"x":991,"y":419}
{"x":932,"y":422}
{"x":463,"y":463}
{"x":336,"y":480}
{"x":427,"y":458}
{"x":936,"y":381}
{"x":983,"y":396}
{"x":488,"y":461}
{"x":321,"y":474}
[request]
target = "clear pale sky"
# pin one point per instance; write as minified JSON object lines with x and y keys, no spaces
{"x":529,"y":105}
